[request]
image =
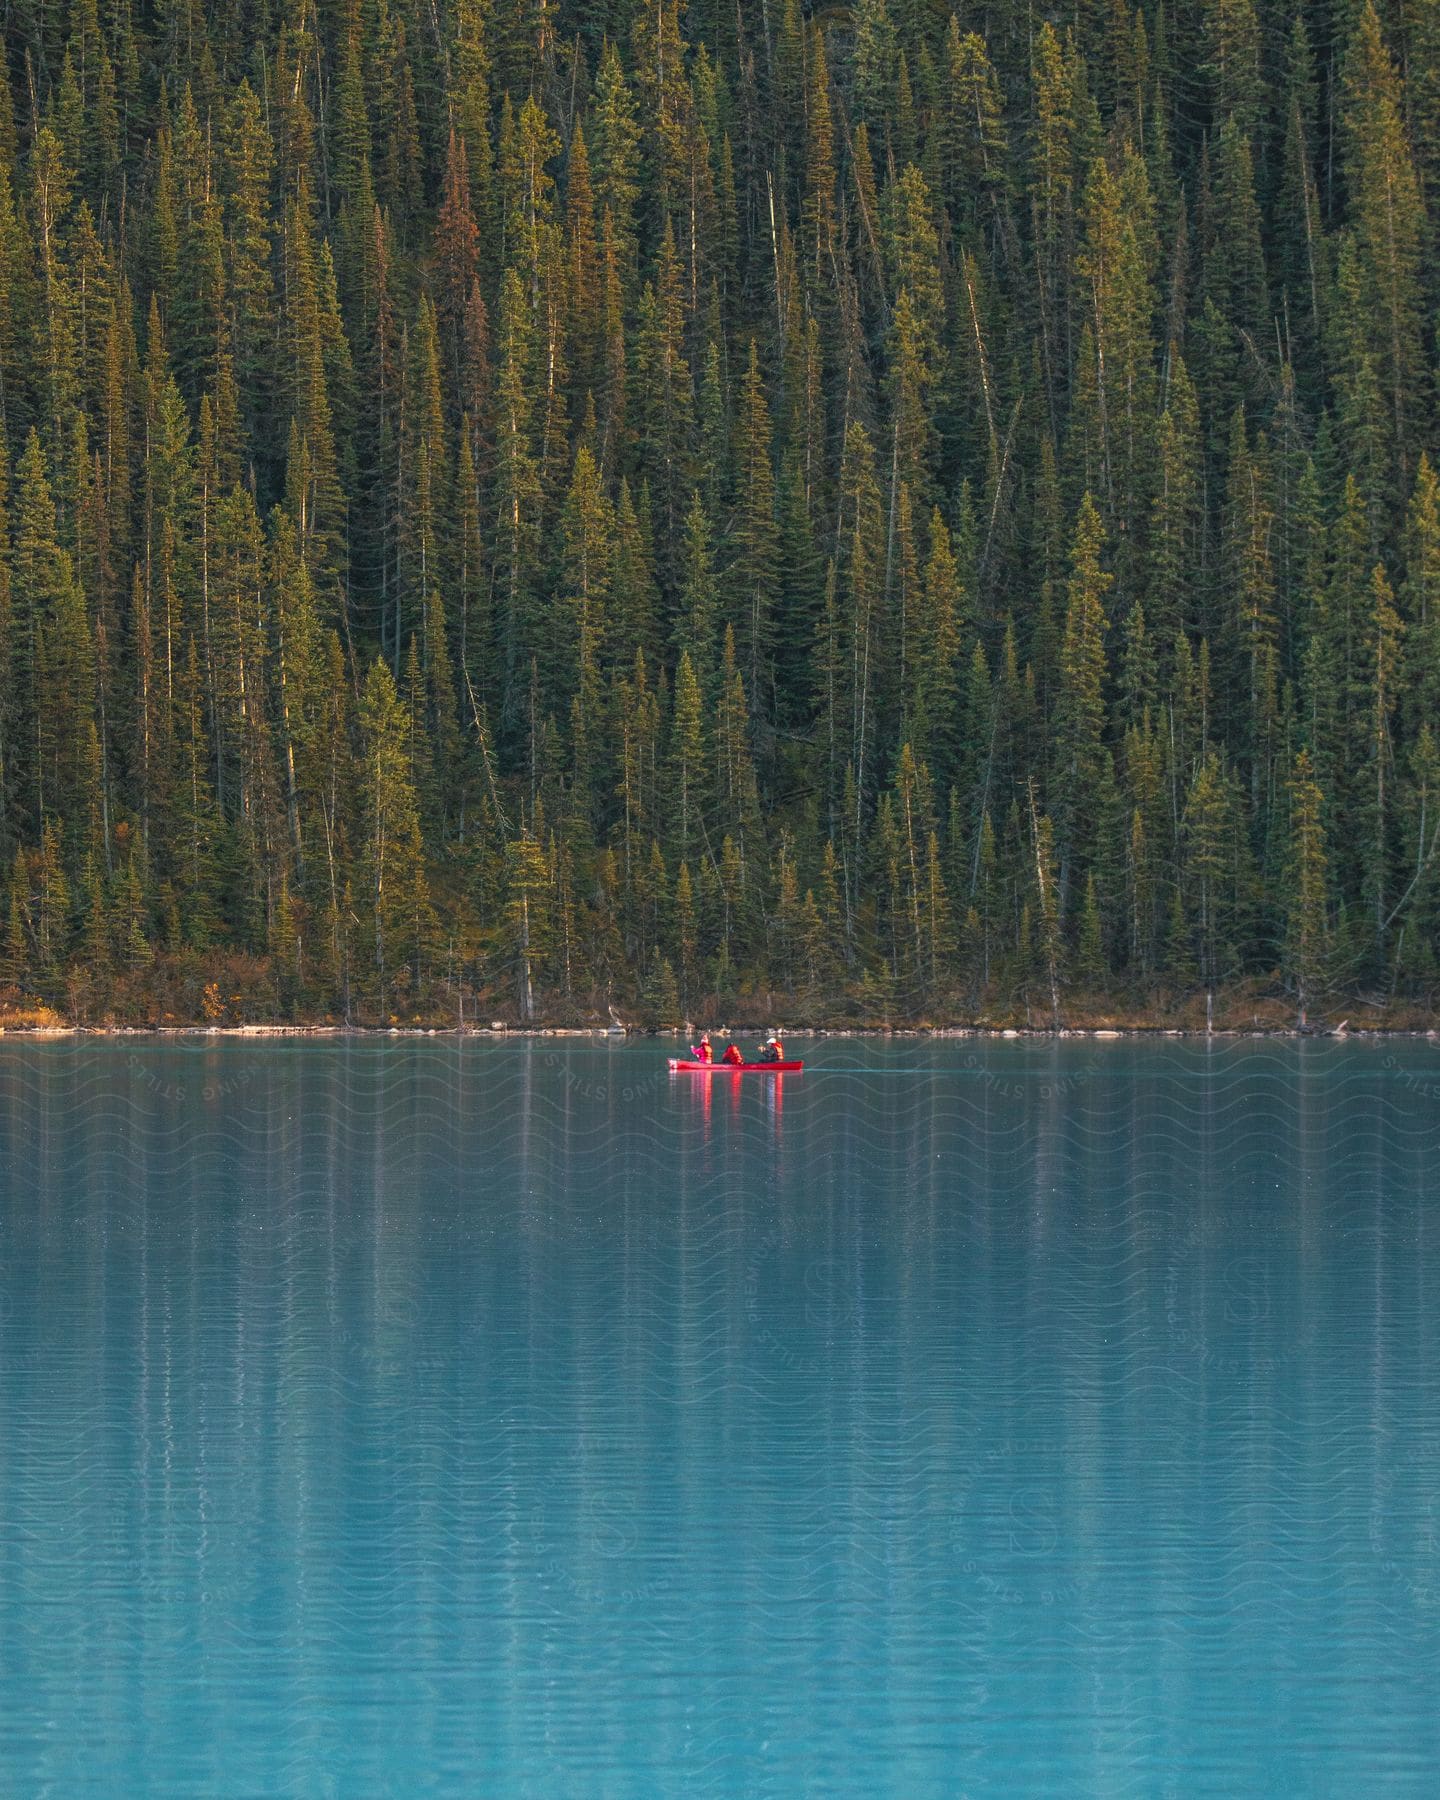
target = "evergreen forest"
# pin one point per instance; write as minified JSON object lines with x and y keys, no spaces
{"x":560,"y":509}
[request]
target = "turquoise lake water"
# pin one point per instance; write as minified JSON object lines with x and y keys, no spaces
{"x":395,"y":1418}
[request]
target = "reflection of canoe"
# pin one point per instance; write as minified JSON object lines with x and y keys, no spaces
{"x":683,"y":1066}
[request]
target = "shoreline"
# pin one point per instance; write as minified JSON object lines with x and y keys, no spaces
{"x":599,"y":1033}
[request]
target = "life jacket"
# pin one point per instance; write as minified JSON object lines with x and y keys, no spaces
{"x":732,"y":1055}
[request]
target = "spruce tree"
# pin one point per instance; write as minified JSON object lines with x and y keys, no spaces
{"x":1080,"y":713}
{"x":1388,"y":221}
{"x":754,"y":575}
{"x":1307,"y":912}
{"x":397,"y":903}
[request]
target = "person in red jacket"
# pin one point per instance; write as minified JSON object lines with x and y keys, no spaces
{"x":702,"y":1051}
{"x":732,"y":1055}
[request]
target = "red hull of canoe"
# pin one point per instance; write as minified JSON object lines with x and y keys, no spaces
{"x":681,"y":1066}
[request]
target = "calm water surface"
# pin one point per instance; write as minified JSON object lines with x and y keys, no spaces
{"x":1018,"y":1420}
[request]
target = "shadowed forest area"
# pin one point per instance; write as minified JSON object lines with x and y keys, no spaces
{"x":866,"y":513}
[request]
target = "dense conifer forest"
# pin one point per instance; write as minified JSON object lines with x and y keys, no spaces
{"x":870,"y":512}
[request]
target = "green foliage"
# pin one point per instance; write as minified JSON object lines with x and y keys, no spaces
{"x":603,"y":504}
{"x":1307,"y":912}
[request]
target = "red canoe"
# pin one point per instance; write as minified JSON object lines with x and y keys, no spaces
{"x":680,"y":1065}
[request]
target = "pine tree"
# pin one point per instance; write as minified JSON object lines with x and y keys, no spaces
{"x":686,"y":939}
{"x":1052,"y":182}
{"x":1230,"y":35}
{"x":16,"y":954}
{"x":754,"y":574}
{"x":582,"y":265}
{"x":196,"y":827}
{"x":662,"y":406}
{"x":615,"y":138}
{"x":457,"y":249}
{"x":971,"y":145}
{"x":38,"y":574}
{"x":818,"y":212}
{"x":528,"y":922}
{"x":1388,"y":222}
{"x":1208,"y":823}
{"x":1234,"y":299}
{"x":247,"y":156}
{"x":397,"y":912}
{"x":1047,"y":906}
{"x":10,"y":691}
{"x":876,"y":62}
{"x":857,"y":636}
{"x":663,"y":104}
{"x":1303,"y":250}
{"x":697,"y":618}
{"x":913,"y":258}
{"x":1420,"y":595}
{"x":1172,"y":600}
{"x":688,"y":763}
{"x":1080,"y":715}
{"x":1115,"y":262}
{"x":1090,"y":967}
{"x":588,"y":528}
{"x":1376,"y":746}
{"x":1251,"y":628}
{"x":517,"y":492}
{"x":1307,"y":913}
{"x":67,"y":741}
{"x":471,"y":69}
{"x":928,"y":697}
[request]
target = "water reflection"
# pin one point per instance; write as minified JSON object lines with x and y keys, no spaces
{"x":699,"y":1096}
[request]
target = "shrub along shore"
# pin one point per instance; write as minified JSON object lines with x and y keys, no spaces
{"x":1238,"y":1011}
